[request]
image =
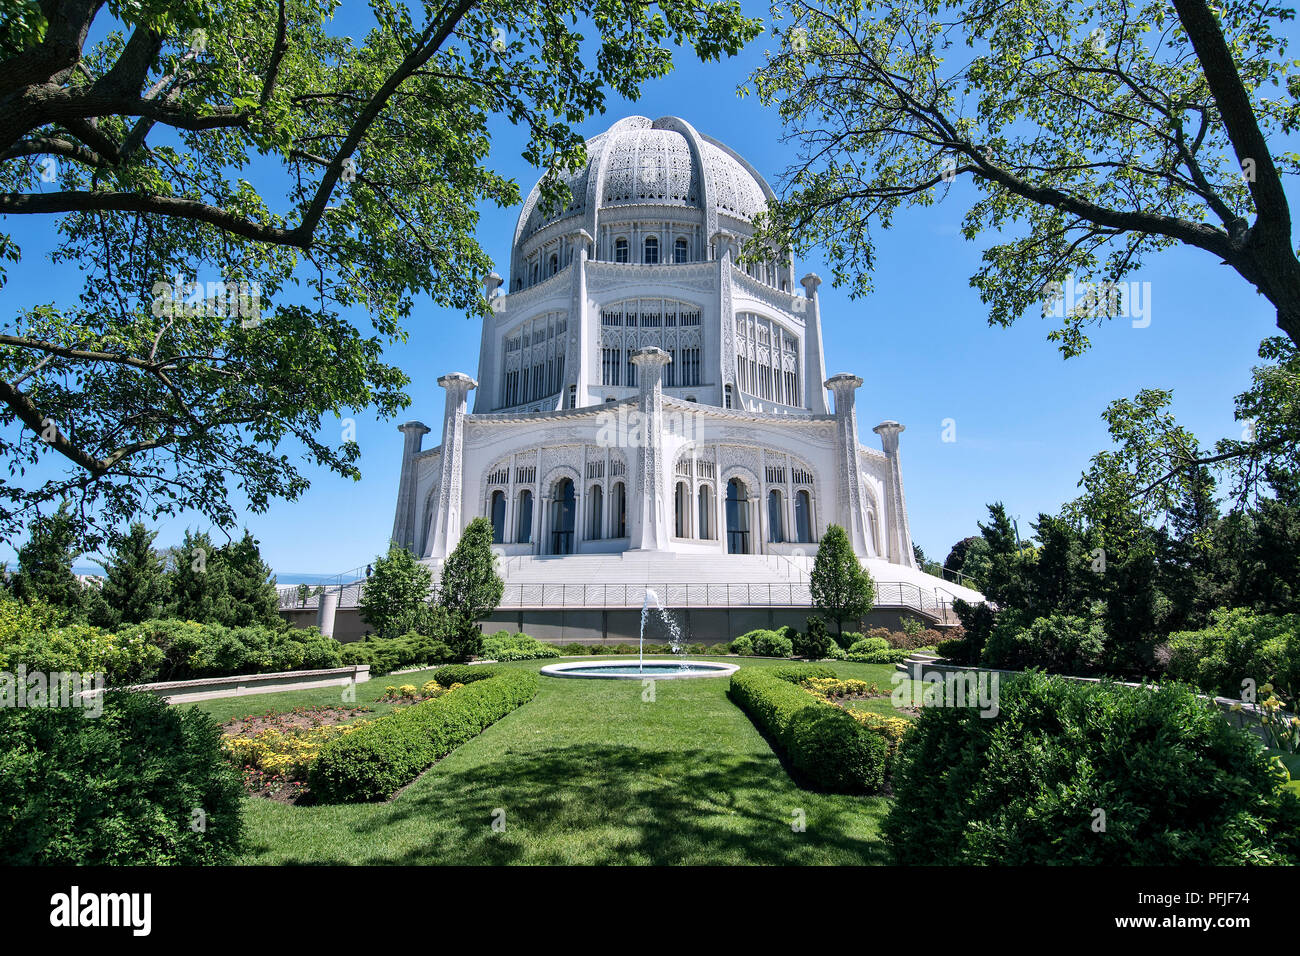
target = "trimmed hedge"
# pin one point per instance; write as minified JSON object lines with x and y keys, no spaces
{"x":464,"y":673}
{"x":823,"y":743}
{"x":890,"y":656}
{"x":142,"y":784}
{"x":374,"y":760}
{"x":797,"y":673}
{"x":504,"y":646}
{"x":1178,"y":784}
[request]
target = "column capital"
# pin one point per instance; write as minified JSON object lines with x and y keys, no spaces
{"x":810,"y":282}
{"x":844,"y":382}
{"x":650,"y":357}
{"x":491,"y":282}
{"x":420,"y":428}
{"x":457,"y":380}
{"x":888,"y":432}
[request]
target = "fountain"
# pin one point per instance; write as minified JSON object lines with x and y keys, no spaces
{"x":661,"y":670}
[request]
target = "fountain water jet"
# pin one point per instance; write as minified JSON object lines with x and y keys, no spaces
{"x":663,"y":670}
{"x":674,"y":632}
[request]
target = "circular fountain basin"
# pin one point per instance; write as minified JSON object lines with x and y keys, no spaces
{"x":631,"y":670}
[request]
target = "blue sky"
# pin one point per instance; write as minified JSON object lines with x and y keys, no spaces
{"x":1026,"y":420}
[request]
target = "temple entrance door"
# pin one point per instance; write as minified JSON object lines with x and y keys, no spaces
{"x":737,"y":517}
{"x":563,"y":514}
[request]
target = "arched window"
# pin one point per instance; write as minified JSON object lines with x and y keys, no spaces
{"x":681,"y":510}
{"x":620,"y":250}
{"x":595,"y":513}
{"x":536,"y":266}
{"x":680,"y":250}
{"x":524,"y":524}
{"x":498,"y":517}
{"x":803,"y":516}
{"x":563,"y":509}
{"x":775,"y":518}
{"x":555,"y":264}
{"x":651,"y":250}
{"x":727,"y":397}
{"x":705,"y":529}
{"x":619,"y":513}
{"x":737,"y":517}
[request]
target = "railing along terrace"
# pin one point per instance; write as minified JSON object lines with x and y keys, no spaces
{"x":889,"y":594}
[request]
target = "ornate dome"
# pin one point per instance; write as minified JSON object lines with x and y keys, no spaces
{"x":663,"y":162}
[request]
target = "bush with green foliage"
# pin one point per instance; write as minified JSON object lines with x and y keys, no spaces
{"x":1057,"y":643}
{"x":763,"y":643}
{"x":120,"y":789}
{"x":396,"y":598}
{"x":822,"y":742}
{"x":743,"y":646}
{"x":160,"y":650}
{"x":504,"y":646}
{"x":385,"y":655}
{"x":19,"y":619}
{"x":834,"y":652}
{"x":910,"y":640}
{"x":1178,"y":784}
{"x":123,"y":658}
{"x":869,"y":645}
{"x":846,"y":639}
{"x":1236,"y":646}
{"x":192,"y":650}
{"x":813,"y":643}
{"x":376,"y":759}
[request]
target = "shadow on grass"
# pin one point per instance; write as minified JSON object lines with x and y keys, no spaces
{"x":606,"y":805}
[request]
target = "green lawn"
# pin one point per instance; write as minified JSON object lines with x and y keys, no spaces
{"x":586,"y":773}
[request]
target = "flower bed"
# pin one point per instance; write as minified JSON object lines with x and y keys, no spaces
{"x":274,"y":750}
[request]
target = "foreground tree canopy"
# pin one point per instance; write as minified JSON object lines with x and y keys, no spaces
{"x":1095,"y":133}
{"x":229,"y":177}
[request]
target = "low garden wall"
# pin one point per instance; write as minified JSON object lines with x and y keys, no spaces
{"x":207,"y":688}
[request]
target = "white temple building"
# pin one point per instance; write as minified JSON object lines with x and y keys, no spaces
{"x":651,"y":412}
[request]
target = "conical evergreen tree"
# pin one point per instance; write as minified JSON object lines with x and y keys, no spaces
{"x":253,"y":596}
{"x":197,"y":581}
{"x":45,"y":564}
{"x":135,"y":584}
{"x":471,"y":588}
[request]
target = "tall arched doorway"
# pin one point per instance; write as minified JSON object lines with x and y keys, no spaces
{"x":737,"y":517}
{"x":563,"y":513}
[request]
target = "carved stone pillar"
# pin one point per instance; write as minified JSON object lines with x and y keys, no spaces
{"x":405,"y":518}
{"x":651,"y":528}
{"x":446,"y":526}
{"x":898,"y":532}
{"x":814,"y":358}
{"x":851,"y":512}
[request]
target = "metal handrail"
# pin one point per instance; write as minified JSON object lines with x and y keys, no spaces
{"x":889,"y":594}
